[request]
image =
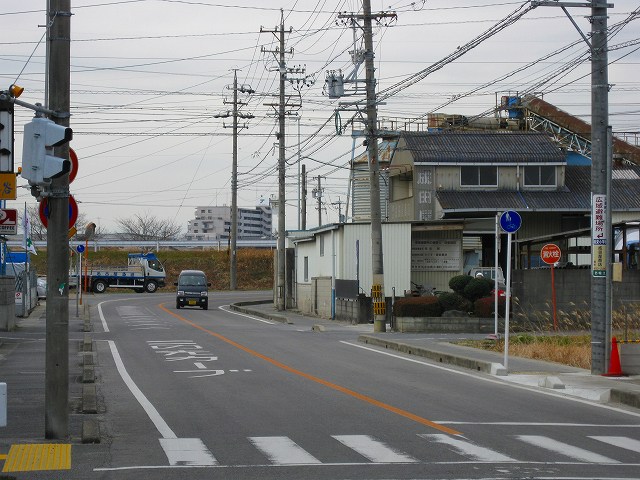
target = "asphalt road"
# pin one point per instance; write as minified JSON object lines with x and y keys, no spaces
{"x":193,"y":394}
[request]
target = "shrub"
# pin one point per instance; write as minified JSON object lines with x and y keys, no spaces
{"x":454,"y":301}
{"x":427,"y":306}
{"x":459,"y":282}
{"x":483,"y":307}
{"x":477,"y":288}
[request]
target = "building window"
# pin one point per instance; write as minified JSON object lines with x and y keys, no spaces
{"x":306,"y":269}
{"x":479,"y":176}
{"x":540,"y":176}
{"x":322,"y":245}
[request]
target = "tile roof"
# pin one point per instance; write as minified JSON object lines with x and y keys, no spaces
{"x":483,"y":147}
{"x":625,"y":188}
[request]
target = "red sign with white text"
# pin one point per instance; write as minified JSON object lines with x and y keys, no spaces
{"x":550,"y":254}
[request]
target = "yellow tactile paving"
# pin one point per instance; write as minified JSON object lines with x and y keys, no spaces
{"x":38,"y":456}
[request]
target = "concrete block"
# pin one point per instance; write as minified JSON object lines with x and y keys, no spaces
{"x":630,"y":358}
{"x":551,"y":382}
{"x":88,"y":374}
{"x":90,"y":431}
{"x":318,"y":328}
{"x":89,"y":398}
{"x":498,"y":370}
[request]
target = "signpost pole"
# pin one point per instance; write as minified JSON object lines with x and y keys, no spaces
{"x":495,"y":279}
{"x":507,"y":304}
{"x":510,"y":222}
{"x":553,"y":300}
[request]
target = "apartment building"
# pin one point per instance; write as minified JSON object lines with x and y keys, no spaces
{"x":214,"y":223}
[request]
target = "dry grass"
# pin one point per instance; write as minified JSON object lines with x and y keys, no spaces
{"x":568,"y":350}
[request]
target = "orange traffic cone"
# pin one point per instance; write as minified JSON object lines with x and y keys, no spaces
{"x":615,"y":370}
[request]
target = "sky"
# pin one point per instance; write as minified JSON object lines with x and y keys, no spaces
{"x":151,"y":82}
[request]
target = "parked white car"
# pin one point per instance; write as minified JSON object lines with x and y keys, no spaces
{"x":41,"y":287}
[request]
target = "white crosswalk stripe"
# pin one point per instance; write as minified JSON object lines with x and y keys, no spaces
{"x":373,"y":449}
{"x":468,"y":449}
{"x":565,"y":449}
{"x":283,"y":451}
{"x":621,"y":442}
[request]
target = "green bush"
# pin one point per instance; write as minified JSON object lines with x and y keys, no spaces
{"x":454,"y":301}
{"x":477,"y":288}
{"x":427,"y":306}
{"x":483,"y":307}
{"x":459,"y":282}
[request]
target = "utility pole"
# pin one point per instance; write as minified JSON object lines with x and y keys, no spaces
{"x":601,"y":207}
{"x":57,"y":310}
{"x":303,"y":208}
{"x":280,"y":135}
{"x":377,"y":266}
{"x":318,"y":194}
{"x":233,"y":257}
{"x":371,"y":133}
{"x":339,"y":204}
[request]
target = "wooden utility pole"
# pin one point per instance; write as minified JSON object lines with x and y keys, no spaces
{"x":57,"y":309}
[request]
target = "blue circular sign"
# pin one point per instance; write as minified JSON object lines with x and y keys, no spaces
{"x":510,"y":221}
{"x":80,"y":248}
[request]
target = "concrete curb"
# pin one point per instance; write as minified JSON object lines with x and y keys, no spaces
{"x":238,"y":307}
{"x":441,"y":357}
{"x":613,"y":395}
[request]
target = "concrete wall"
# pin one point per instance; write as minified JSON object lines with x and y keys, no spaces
{"x":443,"y":325}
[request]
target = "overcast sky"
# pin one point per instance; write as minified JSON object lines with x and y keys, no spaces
{"x":149,"y":79}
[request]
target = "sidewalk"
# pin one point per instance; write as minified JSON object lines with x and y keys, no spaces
{"x":22,"y":368}
{"x":561,"y":379}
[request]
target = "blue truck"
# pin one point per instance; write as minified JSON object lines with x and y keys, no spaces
{"x":143,"y":273}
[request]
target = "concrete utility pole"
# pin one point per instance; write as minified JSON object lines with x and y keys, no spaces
{"x":57,"y":310}
{"x":233,"y":257}
{"x":318,"y":196}
{"x":377,"y":266}
{"x":600,"y":177}
{"x":282,"y":204}
{"x":282,"y":112}
{"x":601,"y":207}
{"x":303,"y":208}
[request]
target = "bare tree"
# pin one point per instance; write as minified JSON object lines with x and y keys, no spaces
{"x":147,"y":227}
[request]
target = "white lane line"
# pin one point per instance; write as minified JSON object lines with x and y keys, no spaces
{"x":187,"y":451}
{"x":374,"y":450}
{"x":148,"y":407}
{"x":492,"y":380}
{"x":179,"y":451}
{"x":225,"y":308}
{"x":283,"y":451}
{"x":468,"y":449}
{"x":565,"y":449}
{"x":105,"y":327}
{"x":622,"y":442}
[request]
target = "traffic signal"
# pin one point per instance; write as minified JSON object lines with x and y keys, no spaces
{"x":6,"y":136}
{"x":38,"y":165}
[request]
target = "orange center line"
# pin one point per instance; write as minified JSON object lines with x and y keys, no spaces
{"x":346,"y":391}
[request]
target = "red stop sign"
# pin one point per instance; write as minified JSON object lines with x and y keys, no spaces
{"x":550,"y":253}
